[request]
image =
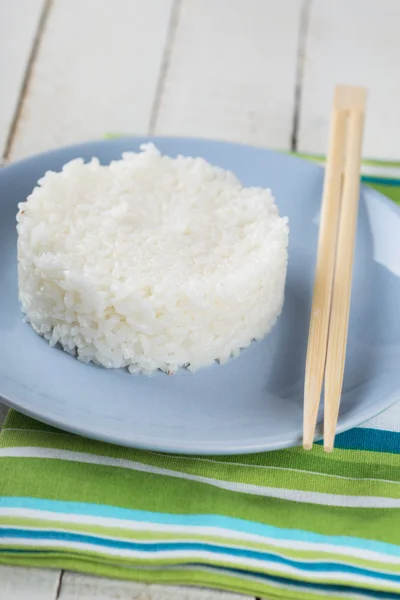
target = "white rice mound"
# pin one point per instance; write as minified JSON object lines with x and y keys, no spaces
{"x":150,"y":262}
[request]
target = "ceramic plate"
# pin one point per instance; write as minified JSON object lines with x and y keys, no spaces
{"x":252,"y":403}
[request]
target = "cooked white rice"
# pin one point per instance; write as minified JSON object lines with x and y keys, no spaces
{"x":150,"y":262}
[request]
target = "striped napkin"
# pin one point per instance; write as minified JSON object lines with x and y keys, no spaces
{"x":286,"y":524}
{"x":383,"y":176}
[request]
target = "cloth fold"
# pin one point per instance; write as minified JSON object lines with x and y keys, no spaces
{"x":286,"y":524}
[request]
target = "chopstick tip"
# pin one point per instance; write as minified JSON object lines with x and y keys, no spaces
{"x":307,"y":445}
{"x":328,"y":448}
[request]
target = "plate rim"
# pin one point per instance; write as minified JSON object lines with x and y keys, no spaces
{"x":146,"y":443}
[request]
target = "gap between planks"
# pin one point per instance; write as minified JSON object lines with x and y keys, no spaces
{"x":172,"y":28}
{"x":59,"y":585}
{"x":300,"y":67}
{"x":25,"y":83}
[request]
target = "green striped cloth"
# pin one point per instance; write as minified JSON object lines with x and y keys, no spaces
{"x":286,"y":524}
{"x":384,"y":176}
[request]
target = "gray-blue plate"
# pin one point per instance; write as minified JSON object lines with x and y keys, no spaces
{"x":254,"y":402}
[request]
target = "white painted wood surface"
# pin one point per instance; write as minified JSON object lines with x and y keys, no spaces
{"x":231,"y":73}
{"x":228,"y":69}
{"x":96,"y":71}
{"x":83,"y":587}
{"x":354,"y":42}
{"x":28,"y":584}
{"x":44,"y":584}
{"x":16,"y":41}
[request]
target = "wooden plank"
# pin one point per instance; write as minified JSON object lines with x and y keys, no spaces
{"x":232,"y":71}
{"x":82,"y":587}
{"x":17,"y":583}
{"x":75,"y":586}
{"x":161,"y":592}
{"x":353,"y":42}
{"x":96,"y":71}
{"x":17,"y":36}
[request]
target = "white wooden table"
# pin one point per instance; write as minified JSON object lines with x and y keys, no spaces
{"x":255,"y":71}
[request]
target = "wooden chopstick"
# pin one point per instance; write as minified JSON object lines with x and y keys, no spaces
{"x":321,"y":304}
{"x":340,"y":310}
{"x":327,"y":340}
